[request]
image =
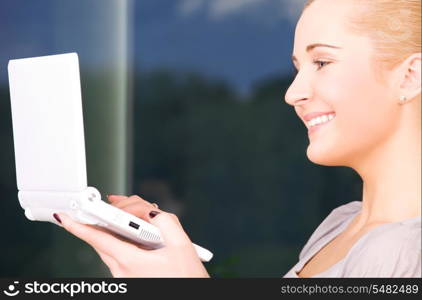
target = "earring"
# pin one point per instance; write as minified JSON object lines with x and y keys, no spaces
{"x":403,"y":99}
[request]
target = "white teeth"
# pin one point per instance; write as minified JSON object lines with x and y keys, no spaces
{"x":321,"y":119}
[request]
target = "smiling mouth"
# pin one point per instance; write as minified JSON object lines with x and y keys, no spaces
{"x":319,"y":121}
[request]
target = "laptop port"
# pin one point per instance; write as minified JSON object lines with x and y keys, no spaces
{"x":134,"y":225}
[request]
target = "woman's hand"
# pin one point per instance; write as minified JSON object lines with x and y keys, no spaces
{"x":177,"y":258}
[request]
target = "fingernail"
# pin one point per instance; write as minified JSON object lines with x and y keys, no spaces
{"x":56,"y":216}
{"x":153,"y":213}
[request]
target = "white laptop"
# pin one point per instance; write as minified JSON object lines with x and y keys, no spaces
{"x":49,"y":144}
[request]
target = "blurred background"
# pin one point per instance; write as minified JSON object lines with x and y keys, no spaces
{"x":184,"y":106}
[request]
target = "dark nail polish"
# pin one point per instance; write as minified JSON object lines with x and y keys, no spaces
{"x":56,"y":216}
{"x":153,"y":213}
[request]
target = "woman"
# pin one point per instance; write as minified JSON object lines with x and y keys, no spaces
{"x":358,"y":91}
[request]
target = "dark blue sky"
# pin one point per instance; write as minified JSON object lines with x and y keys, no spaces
{"x":241,"y":41}
{"x":242,"y":47}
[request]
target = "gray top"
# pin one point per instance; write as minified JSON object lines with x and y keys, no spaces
{"x":388,"y":250}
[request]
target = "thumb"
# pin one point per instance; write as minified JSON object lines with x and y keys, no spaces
{"x":170,"y":228}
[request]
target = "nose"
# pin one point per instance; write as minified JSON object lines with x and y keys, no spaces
{"x":299,"y":91}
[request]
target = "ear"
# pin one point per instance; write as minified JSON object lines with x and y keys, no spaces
{"x":409,"y":74}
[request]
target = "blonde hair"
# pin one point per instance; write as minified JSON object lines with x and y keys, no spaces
{"x":393,"y":25}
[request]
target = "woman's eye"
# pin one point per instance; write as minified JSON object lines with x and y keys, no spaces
{"x":321,"y":63}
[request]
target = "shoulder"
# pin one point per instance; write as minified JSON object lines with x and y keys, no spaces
{"x":390,"y":250}
{"x":344,"y":211}
{"x":336,"y":218}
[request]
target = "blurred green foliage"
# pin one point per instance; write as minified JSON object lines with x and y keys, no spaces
{"x":232,"y":167}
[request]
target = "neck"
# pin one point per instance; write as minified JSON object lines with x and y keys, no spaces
{"x":392,"y":179}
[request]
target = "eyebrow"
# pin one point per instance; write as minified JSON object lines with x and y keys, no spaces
{"x":313,"y":46}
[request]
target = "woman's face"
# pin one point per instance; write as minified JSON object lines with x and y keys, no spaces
{"x":337,"y":82}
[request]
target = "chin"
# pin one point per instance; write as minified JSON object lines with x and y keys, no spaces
{"x":324,"y":157}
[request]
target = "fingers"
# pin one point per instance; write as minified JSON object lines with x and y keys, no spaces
{"x":171,"y":229}
{"x":131,"y":200}
{"x":99,"y":239}
{"x":134,"y":205}
{"x":140,"y":210}
{"x":122,"y":201}
{"x":115,"y":198}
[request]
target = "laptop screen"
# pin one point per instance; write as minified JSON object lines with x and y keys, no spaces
{"x":47,"y":120}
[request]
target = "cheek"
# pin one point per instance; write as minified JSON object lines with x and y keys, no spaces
{"x":358,"y":103}
{"x":353,"y":95}
{"x":362,"y":115}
